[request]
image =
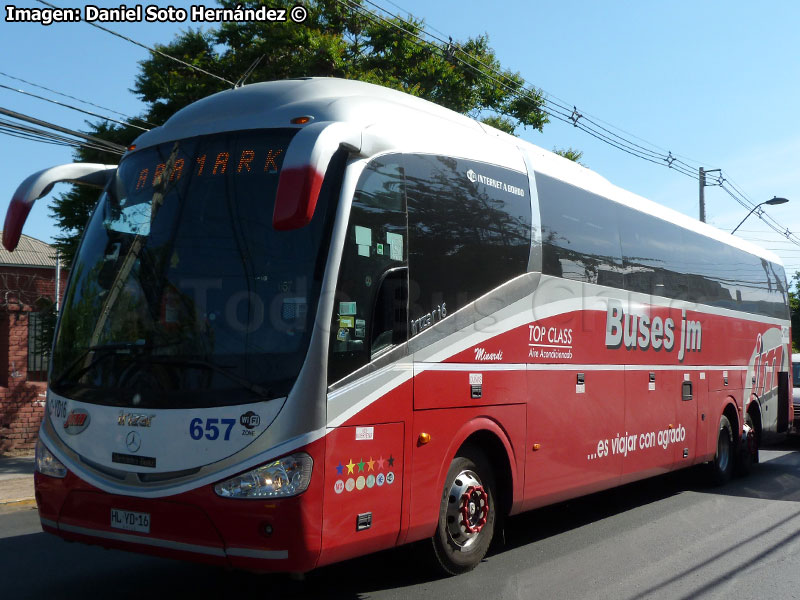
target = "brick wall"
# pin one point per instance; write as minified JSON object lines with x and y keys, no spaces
{"x":21,"y":401}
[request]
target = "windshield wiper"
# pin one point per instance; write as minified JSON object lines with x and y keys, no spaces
{"x":198,"y":362}
{"x":104,"y":350}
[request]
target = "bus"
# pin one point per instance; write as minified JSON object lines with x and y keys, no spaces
{"x":316,"y":318}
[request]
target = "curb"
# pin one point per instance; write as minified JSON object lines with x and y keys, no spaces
{"x":21,"y":502}
{"x":17,"y":491}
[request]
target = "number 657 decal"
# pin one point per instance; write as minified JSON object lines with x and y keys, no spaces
{"x":210,"y":428}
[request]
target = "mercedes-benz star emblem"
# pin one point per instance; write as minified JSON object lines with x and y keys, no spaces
{"x":133,"y":441}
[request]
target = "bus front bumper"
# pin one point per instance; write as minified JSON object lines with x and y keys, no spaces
{"x":254,"y":535}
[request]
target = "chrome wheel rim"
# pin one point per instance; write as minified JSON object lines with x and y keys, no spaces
{"x":467,"y":509}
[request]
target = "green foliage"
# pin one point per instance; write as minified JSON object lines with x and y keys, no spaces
{"x":571,"y":154}
{"x":334,"y":41}
{"x":72,"y":209}
{"x":167,"y":86}
{"x":501,"y":123}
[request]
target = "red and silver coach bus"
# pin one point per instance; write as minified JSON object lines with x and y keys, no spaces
{"x":312,"y":319}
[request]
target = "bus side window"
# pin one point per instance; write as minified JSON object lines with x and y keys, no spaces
{"x":370,"y":314}
{"x":390,"y":315}
{"x":580,"y":235}
{"x":469,"y":229}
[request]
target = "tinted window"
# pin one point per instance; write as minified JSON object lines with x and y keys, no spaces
{"x":469,"y":232}
{"x":710,"y":272}
{"x":653,"y":254}
{"x":759,"y":285}
{"x":369,"y":314}
{"x":183,"y":294}
{"x":580,"y":238}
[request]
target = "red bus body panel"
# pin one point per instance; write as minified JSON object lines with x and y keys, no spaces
{"x":567,"y":428}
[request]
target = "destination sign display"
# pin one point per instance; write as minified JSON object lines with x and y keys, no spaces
{"x":211,"y":164}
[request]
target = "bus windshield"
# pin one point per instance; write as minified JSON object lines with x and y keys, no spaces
{"x":182,"y":293}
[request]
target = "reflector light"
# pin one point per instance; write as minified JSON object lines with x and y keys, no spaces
{"x":300,"y":120}
{"x":132,"y":147}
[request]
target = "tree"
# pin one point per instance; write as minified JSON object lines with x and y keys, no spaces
{"x":72,"y":209}
{"x":333,"y":41}
{"x":571,"y":154}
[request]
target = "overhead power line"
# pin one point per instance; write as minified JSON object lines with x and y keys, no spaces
{"x":549,"y":97}
{"x":737,"y":195}
{"x":86,"y":112}
{"x":557,"y":110}
{"x":153,"y":50}
{"x":547,"y":103}
{"x":560,"y":110}
{"x":95,"y":142}
{"x":56,"y":92}
{"x":48,"y":137}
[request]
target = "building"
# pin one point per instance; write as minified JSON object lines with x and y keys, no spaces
{"x":27,"y":292}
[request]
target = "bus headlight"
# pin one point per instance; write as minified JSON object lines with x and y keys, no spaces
{"x":287,"y":476}
{"x":47,"y":463}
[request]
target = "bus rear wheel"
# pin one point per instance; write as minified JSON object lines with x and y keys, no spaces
{"x":748,"y":453}
{"x":467,"y":514}
{"x":722,"y":467}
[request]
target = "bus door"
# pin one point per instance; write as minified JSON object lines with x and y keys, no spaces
{"x":691,"y":422}
{"x":369,"y":386}
{"x":651,"y":395}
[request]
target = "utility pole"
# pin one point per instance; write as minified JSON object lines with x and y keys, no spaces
{"x":702,"y":195}
{"x":702,"y":179}
{"x":58,"y":280}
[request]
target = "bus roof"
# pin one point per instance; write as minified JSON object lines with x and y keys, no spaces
{"x":276,"y":103}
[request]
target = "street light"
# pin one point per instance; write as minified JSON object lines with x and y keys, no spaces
{"x":772,"y":202}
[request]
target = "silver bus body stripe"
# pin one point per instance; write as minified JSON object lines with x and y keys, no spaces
{"x":135,"y":539}
{"x":252,"y":553}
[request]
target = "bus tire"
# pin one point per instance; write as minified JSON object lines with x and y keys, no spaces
{"x":748,"y":453}
{"x":722,"y":466}
{"x":467,"y":514}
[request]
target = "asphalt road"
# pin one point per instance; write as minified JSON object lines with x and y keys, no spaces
{"x":669,"y":537}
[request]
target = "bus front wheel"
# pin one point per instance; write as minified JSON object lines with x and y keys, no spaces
{"x":467,"y":513}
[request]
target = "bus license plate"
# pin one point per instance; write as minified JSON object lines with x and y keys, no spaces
{"x":130,"y":521}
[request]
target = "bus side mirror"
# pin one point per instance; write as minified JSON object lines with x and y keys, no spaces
{"x":39,"y":184}
{"x":307,"y":158}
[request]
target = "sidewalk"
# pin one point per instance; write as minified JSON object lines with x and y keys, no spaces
{"x":16,"y":480}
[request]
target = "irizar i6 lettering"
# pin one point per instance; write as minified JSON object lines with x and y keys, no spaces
{"x":312,"y":319}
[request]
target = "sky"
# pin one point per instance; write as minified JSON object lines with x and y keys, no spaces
{"x":715,"y":82}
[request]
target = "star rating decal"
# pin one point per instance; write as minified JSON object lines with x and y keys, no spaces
{"x":383,"y":468}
